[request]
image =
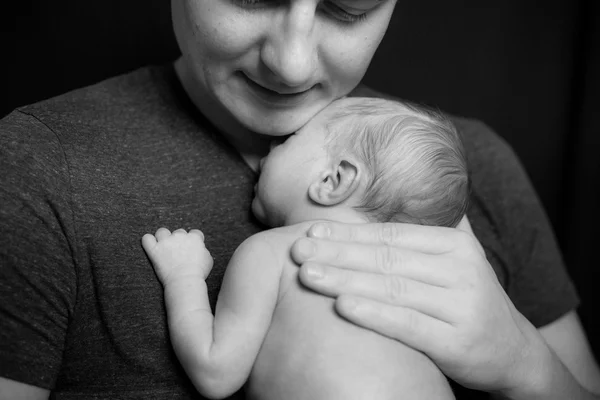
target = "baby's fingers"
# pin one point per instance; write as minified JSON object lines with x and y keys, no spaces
{"x":197,"y":232}
{"x":148,"y":242}
{"x":162,"y":233}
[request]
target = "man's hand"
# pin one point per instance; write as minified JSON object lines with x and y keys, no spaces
{"x":431,"y":288}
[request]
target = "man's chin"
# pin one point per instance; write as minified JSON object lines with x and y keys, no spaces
{"x":274,"y":125}
{"x":277,"y":122}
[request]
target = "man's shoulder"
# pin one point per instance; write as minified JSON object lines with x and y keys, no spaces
{"x":145,"y":110}
{"x":127,"y":96}
{"x":483,"y":145}
{"x":113,"y":88}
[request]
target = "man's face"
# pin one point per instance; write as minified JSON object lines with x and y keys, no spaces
{"x":273,"y":64}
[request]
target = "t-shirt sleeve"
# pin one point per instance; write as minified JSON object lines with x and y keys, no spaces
{"x":37,"y":275}
{"x":538,"y":282}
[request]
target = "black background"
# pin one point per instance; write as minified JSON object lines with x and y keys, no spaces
{"x":529,"y":69}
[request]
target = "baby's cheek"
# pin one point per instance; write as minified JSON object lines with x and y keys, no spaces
{"x":258,"y":209}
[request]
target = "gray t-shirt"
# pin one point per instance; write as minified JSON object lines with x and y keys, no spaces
{"x":83,"y":176}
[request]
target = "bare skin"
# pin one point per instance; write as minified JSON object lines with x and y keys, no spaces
{"x":442,"y":306}
{"x":287,"y":340}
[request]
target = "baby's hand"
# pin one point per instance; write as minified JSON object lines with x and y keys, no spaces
{"x":177,"y":255}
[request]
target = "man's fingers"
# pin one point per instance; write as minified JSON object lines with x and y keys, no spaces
{"x":389,"y":289}
{"x":465,"y":226}
{"x":377,"y":259}
{"x":415,"y":329}
{"x":426,"y":239}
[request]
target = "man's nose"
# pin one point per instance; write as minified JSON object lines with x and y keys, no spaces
{"x":290,"y":49}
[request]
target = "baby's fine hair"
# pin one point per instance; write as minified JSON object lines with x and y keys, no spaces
{"x":415,"y":163}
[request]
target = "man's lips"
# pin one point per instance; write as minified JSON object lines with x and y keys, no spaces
{"x":281,"y":92}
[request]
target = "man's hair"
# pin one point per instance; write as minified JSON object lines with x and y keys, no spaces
{"x":413,"y":159}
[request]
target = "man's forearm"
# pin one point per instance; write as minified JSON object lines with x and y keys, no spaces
{"x":548,"y":379}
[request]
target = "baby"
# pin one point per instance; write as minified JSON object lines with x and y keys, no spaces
{"x":360,"y":160}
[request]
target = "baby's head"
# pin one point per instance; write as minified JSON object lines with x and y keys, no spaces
{"x":365,"y":157}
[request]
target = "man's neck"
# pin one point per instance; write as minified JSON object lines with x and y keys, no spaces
{"x":251,"y":145}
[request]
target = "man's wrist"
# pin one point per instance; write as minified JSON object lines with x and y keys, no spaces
{"x":535,"y":376}
{"x":543,"y":376}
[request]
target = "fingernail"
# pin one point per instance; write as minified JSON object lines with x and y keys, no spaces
{"x":306,"y":248}
{"x":320,"y":231}
{"x":314,"y":272}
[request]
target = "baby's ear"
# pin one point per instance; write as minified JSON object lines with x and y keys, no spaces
{"x":335,"y":184}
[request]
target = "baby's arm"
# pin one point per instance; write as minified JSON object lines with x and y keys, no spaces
{"x":217,"y":353}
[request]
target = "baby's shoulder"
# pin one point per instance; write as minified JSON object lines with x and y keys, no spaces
{"x":284,"y":234}
{"x":276,"y":241}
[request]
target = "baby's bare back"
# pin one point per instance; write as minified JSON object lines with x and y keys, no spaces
{"x":312,"y":353}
